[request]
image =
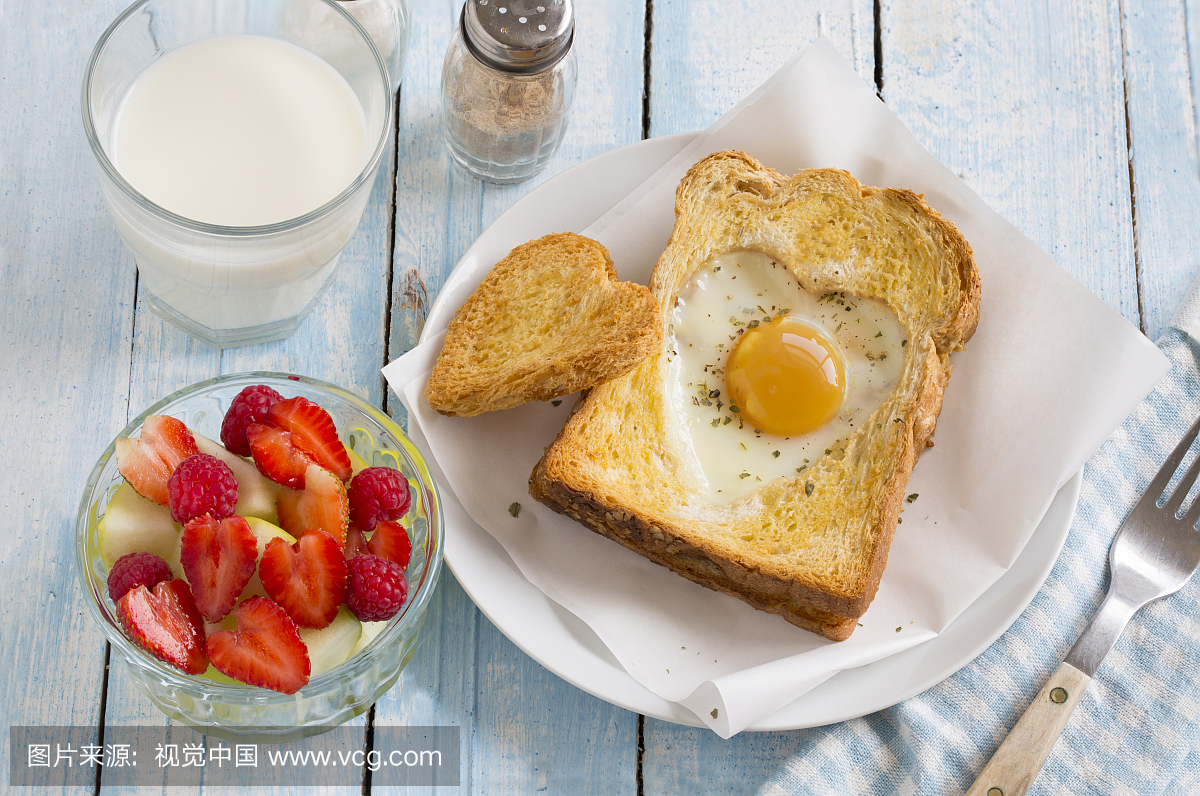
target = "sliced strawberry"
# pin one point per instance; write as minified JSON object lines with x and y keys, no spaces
{"x":313,"y":432}
{"x":165,"y":623}
{"x":356,"y":543}
{"x":390,"y":541}
{"x":218,"y":558}
{"x":265,"y":650}
{"x":321,"y":506}
{"x":147,"y":461}
{"x":277,"y":455}
{"x":307,"y":579}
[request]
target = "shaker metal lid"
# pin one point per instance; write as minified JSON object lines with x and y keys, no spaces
{"x":523,"y":36}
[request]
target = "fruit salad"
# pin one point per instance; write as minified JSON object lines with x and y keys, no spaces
{"x":266,"y":558}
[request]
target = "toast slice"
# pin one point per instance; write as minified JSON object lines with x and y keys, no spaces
{"x":812,"y":547}
{"x":549,"y":319}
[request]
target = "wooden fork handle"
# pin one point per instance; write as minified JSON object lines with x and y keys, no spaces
{"x":1017,"y":762}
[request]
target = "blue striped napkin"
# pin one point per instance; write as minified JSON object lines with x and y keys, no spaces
{"x":1137,"y":730}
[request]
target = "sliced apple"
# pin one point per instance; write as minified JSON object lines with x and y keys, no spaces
{"x":134,"y":524}
{"x":369,"y":631}
{"x":264,"y":532}
{"x":256,"y":492}
{"x":332,"y":645}
{"x":217,"y":676}
{"x":228,"y":623}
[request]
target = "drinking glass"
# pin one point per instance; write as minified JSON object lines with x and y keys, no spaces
{"x":232,"y":285}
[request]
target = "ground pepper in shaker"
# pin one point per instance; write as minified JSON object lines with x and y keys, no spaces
{"x":507,"y":85}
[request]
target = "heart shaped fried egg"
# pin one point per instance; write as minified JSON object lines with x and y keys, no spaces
{"x":768,"y":378}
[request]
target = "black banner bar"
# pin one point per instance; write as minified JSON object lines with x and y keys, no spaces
{"x":180,"y":756}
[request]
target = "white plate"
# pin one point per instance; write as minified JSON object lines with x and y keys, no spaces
{"x":562,"y":643}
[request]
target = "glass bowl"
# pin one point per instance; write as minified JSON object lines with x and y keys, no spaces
{"x":242,"y":712}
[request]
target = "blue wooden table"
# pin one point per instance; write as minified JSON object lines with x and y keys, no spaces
{"x":1077,"y":122}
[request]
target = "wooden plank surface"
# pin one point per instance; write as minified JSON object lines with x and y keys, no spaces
{"x":523,"y":729}
{"x":1163,"y":159}
{"x":707,"y":56}
{"x":66,"y":306}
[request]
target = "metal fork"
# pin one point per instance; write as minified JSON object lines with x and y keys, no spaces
{"x":1154,"y":554}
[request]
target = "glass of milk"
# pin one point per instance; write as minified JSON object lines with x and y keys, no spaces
{"x":237,"y":151}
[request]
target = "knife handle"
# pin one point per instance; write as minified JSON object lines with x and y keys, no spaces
{"x":1016,"y":764}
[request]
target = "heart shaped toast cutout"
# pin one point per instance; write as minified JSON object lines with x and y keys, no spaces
{"x":550,"y":319}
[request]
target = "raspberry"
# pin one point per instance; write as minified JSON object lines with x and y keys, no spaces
{"x":377,"y":588}
{"x":378,"y":493}
{"x":136,"y":569}
{"x":248,"y":406}
{"x":200,"y":485}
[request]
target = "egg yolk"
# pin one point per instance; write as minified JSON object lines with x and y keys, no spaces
{"x":785,"y":377}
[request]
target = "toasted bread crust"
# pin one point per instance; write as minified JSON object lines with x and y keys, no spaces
{"x":611,"y":466}
{"x":690,"y":561}
{"x":549,"y":319}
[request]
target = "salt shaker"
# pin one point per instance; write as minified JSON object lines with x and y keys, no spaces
{"x":507,"y":85}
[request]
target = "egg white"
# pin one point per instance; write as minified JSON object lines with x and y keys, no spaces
{"x":729,"y":295}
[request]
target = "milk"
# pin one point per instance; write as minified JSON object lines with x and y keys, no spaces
{"x":238,"y":131}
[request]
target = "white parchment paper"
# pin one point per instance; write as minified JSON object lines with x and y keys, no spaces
{"x":1050,"y":373}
